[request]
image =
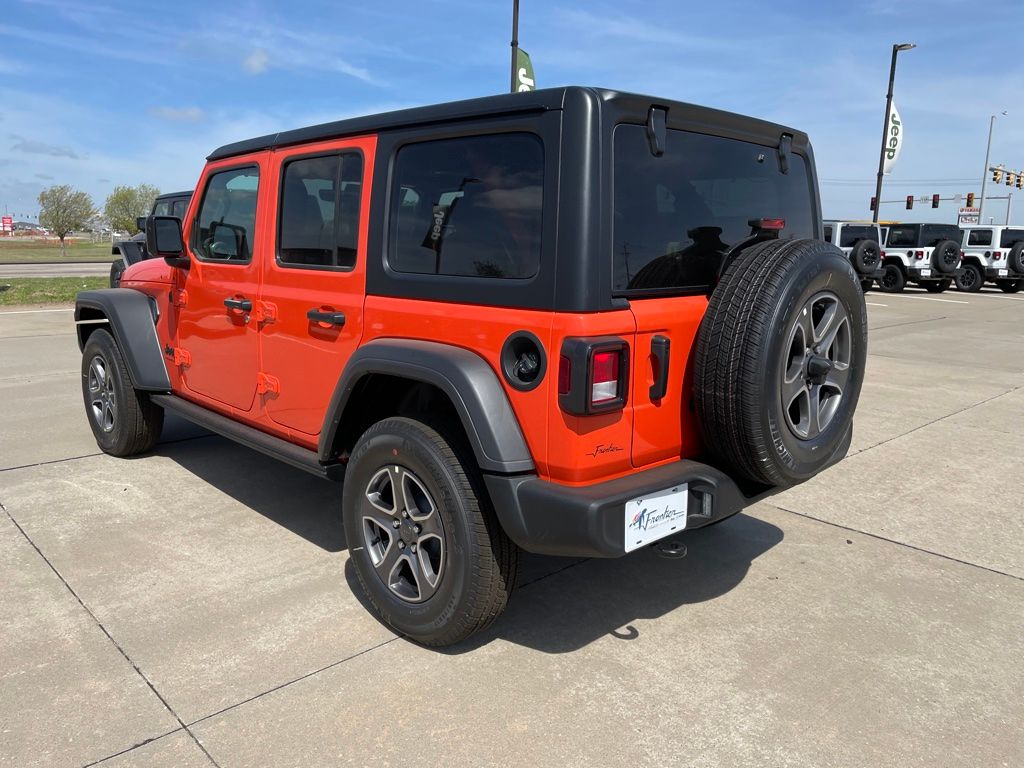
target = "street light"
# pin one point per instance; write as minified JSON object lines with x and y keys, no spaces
{"x":984,"y":173}
{"x":885,"y":123}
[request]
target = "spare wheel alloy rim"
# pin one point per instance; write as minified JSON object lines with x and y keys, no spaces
{"x":403,"y":533}
{"x":816,"y":365}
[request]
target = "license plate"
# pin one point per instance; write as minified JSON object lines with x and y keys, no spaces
{"x":1004,"y":272}
{"x":926,"y":273}
{"x":653,"y":517}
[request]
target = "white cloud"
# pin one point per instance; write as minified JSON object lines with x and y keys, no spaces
{"x":178,"y":114}
{"x":256,"y":62}
{"x":32,"y":147}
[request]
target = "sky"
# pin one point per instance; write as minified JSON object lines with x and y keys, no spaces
{"x":106,"y":92}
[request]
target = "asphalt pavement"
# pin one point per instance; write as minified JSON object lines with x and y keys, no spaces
{"x":55,"y":269}
{"x":195,"y":606}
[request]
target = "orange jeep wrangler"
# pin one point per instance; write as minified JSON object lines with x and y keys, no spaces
{"x":572,"y":321}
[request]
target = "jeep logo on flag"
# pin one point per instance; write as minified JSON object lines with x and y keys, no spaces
{"x":893,"y":139}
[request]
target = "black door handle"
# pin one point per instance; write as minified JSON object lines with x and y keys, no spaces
{"x":331,"y":318}
{"x":243,"y":304}
{"x":659,"y":350}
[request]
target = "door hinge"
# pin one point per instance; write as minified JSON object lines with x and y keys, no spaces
{"x":265,"y":312}
{"x":178,"y":355}
{"x":266,"y":383}
{"x":179,"y":298}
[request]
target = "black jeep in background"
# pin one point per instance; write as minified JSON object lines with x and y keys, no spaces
{"x":134,"y":250}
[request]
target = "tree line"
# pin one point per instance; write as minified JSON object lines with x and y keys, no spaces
{"x":64,"y":210}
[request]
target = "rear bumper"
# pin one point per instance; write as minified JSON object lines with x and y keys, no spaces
{"x":993,"y":273}
{"x":589,"y":521}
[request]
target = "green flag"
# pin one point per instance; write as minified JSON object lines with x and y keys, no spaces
{"x":525,"y":80}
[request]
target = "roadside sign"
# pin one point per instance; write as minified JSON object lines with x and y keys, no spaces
{"x":6,"y":223}
{"x":969,"y":216}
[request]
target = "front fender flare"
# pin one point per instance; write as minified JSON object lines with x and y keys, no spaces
{"x":132,"y":323}
{"x":465,"y":377}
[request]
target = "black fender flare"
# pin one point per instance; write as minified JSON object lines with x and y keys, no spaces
{"x":465,"y":377}
{"x":132,"y":319}
{"x":131,"y":251}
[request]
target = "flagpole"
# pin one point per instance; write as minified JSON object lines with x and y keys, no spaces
{"x":515,"y":44}
{"x":885,"y":125}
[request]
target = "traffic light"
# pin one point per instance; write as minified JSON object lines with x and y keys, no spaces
{"x":1009,"y":179}
{"x":874,"y":204}
{"x":970,"y":199}
{"x":935,"y":201}
{"x":910,"y":202}
{"x":1020,"y":180}
{"x":997,"y":175}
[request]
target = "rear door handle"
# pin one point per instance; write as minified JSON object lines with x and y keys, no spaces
{"x":659,"y":351}
{"x":243,"y":304}
{"x":331,"y":318}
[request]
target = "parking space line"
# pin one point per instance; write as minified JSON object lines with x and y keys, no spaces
{"x":873,"y":304}
{"x":35,"y":311}
{"x":935,"y":298}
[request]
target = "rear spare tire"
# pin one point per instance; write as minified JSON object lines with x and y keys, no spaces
{"x":945,"y":257}
{"x":780,"y":361}
{"x":865,"y":255}
{"x":1015,"y":259}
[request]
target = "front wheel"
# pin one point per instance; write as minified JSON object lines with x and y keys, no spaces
{"x":970,"y":278}
{"x":426,"y":545}
{"x":123,"y":420}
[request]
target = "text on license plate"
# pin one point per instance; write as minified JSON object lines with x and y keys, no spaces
{"x":653,"y":517}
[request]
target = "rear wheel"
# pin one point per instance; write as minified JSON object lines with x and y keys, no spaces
{"x":1010,"y":286}
{"x":780,"y":361}
{"x":892,"y":279}
{"x":426,"y":545}
{"x":937,"y":286}
{"x":970,"y":278}
{"x":123,"y":420}
{"x":865,"y":284}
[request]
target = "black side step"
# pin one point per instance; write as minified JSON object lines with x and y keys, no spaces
{"x":250,"y":437}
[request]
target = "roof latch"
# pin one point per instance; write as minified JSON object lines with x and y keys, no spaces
{"x":656,"y":119}
{"x":785,"y":147}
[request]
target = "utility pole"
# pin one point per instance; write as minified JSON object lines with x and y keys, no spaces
{"x":885,"y":123}
{"x":984,"y":173}
{"x":515,"y":46}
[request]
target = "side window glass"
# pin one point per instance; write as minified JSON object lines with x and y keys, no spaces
{"x":227,"y":216}
{"x":980,"y":237}
{"x":178,"y":208}
{"x":468,"y":207}
{"x":319,"y":214}
{"x":162,"y":208}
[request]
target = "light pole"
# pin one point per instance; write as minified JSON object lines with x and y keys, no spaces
{"x":984,"y":173}
{"x":885,"y":124}
{"x":515,"y":43}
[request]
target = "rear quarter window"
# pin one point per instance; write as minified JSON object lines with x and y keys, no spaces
{"x":852,"y":234}
{"x":1011,"y":237}
{"x":979,"y":237}
{"x":675,"y":215}
{"x":468,"y":207}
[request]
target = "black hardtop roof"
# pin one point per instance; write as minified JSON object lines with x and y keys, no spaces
{"x":508,"y":103}
{"x":186,"y":193}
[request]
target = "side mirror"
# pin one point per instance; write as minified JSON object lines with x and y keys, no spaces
{"x":140,"y":223}
{"x":164,"y":240}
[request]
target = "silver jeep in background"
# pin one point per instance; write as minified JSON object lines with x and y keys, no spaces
{"x":993,"y":253}
{"x":862,"y":244}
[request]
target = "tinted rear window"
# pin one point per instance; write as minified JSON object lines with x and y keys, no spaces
{"x":931,"y":234}
{"x":468,"y":207}
{"x":675,"y":215}
{"x":1010,"y":237}
{"x":849,"y":235}
{"x":979,"y":237}
{"x":902,"y":237}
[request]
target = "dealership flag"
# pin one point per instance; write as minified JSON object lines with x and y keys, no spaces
{"x":525,"y":81}
{"x":893,"y":138}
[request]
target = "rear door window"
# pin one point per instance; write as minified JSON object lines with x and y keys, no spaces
{"x":675,"y":215}
{"x":227,"y":216}
{"x":469,"y":207}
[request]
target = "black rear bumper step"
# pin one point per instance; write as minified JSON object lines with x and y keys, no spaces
{"x":248,"y":436}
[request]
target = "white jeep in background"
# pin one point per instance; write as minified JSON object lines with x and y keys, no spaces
{"x":862,"y":244}
{"x":993,"y":253}
{"x":926,"y":254}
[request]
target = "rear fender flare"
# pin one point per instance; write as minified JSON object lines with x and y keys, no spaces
{"x":131,"y":316}
{"x":465,"y":377}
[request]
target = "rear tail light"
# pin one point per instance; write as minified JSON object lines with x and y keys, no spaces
{"x":881,"y":254}
{"x":593,"y":375}
{"x":919,"y":254}
{"x":997,"y":255}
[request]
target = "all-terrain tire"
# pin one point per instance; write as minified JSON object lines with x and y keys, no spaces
{"x":1015,"y":259}
{"x":476,"y":570}
{"x":749,"y":362}
{"x":865,"y":255}
{"x":970,"y":278}
{"x":892,"y":280}
{"x":124,"y":421}
{"x":937,"y":286}
{"x":1010,"y":286}
{"x":945,"y":257}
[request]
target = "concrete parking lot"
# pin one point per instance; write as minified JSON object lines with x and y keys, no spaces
{"x":194,"y":606}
